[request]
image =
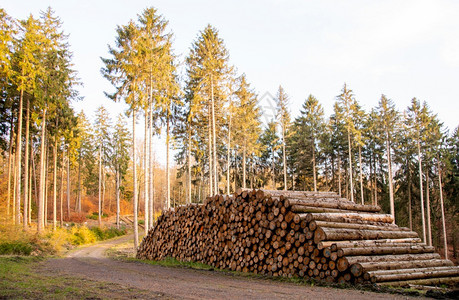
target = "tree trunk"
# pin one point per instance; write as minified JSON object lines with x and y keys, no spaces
{"x":29,"y":214}
{"x":117,"y":183}
{"x":26,"y":169}
{"x":228,"y":158}
{"x":41,"y":200}
{"x":244,"y":158}
{"x":136,"y":222}
{"x":46,"y":185}
{"x":445,"y":237}
{"x":361,"y":175}
{"x":100,"y":184}
{"x":351,"y":183}
{"x":168,"y":180}
{"x":389,"y":171}
{"x":314,"y":164}
{"x":429,"y":227}
{"x":68,"y":185}
{"x":147,"y":179}
{"x":421,"y":192}
{"x":211,"y":177}
{"x":55,"y":184}
{"x":78,"y":208}
{"x":214,"y":134}
{"x":410,"y":215}
{"x":10,"y":164}
{"x":61,"y":200}
{"x":189,"y":164}
{"x":18,"y":162}
{"x":284,"y":158}
{"x":339,"y":176}
{"x":273,"y":171}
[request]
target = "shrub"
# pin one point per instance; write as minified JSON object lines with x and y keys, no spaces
{"x":15,"y":248}
{"x":82,"y":235}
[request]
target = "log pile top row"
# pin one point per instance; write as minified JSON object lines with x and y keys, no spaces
{"x":291,"y":233}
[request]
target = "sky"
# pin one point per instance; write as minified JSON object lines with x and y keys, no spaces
{"x":402,"y":49}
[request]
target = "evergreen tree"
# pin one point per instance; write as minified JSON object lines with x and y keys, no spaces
{"x":283,"y":117}
{"x":247,"y":123}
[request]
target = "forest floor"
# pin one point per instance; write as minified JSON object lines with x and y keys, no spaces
{"x":90,"y":274}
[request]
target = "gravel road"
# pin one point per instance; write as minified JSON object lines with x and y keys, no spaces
{"x":182,"y":283}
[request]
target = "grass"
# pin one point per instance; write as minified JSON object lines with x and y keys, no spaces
{"x":19,"y":279}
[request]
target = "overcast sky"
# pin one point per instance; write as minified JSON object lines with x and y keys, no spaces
{"x":402,"y":49}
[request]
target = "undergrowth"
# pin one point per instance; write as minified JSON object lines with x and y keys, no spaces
{"x":15,"y":241}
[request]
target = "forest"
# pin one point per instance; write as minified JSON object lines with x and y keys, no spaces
{"x":58,"y":165}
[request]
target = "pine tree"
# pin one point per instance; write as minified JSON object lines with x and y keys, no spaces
{"x":347,"y":102}
{"x":102,"y":126}
{"x":119,"y":158}
{"x":307,"y":130}
{"x":247,"y":123}
{"x":208,"y":74}
{"x":388,"y":119}
{"x":283,"y":117}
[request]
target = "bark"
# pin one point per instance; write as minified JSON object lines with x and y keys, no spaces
{"x":150,"y":156}
{"x":61,"y":200}
{"x":17,"y":212}
{"x":349,"y":217}
{"x":228,"y":159}
{"x":421,"y":192}
{"x":410,"y":214}
{"x":356,"y":225}
{"x":345,"y":205}
{"x":26,"y":170}
{"x":147,"y":179}
{"x":68,"y":185}
{"x":211,"y":177}
{"x":405,"y":264}
{"x":214,"y":138}
{"x":440,"y":186}
{"x":361,"y":175}
{"x":429,"y":228}
{"x":339,"y":176}
{"x":134,"y":159}
{"x":55,"y":184}
{"x":244,"y":162}
{"x":387,"y":250}
{"x":41,"y":200}
{"x":100,"y":185}
{"x":351,"y":183}
{"x":168,"y":179}
{"x":314,"y":164}
{"x":117,"y":179}
{"x":340,"y":234}
{"x":435,"y":272}
{"x":78,"y":208}
{"x":189,"y":165}
{"x":389,"y":171}
{"x":284,"y":158}
{"x":10,"y":164}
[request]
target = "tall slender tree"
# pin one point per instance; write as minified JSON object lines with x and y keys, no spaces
{"x":283,"y":117}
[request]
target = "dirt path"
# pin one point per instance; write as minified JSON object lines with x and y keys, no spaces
{"x":162,"y":282}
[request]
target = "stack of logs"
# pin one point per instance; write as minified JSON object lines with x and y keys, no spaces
{"x":289,"y":233}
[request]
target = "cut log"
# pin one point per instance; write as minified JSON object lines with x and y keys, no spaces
{"x":416,"y":273}
{"x":349,"y":243}
{"x":377,"y":250}
{"x":336,"y":234}
{"x":342,"y":205}
{"x":449,"y":281}
{"x":351,"y":217}
{"x":312,"y":209}
{"x":357,"y":226}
